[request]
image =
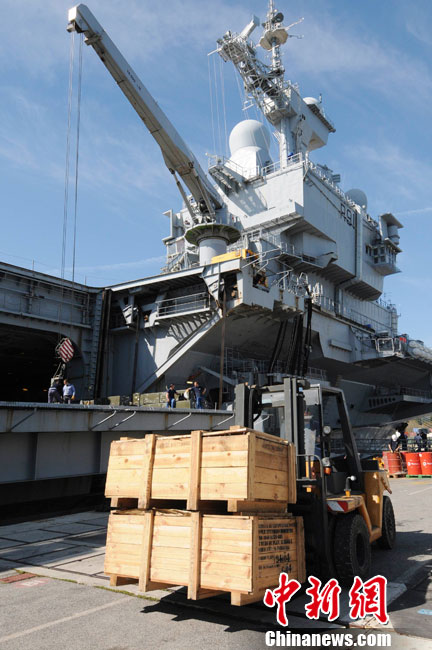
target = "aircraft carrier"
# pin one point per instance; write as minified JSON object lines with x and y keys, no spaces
{"x":271,"y":269}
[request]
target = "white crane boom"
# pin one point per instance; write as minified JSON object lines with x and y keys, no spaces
{"x":177,"y":156}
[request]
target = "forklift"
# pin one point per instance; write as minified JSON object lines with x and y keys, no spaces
{"x":339,"y":495}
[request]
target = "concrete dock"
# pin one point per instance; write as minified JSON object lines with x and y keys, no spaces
{"x":54,"y":594}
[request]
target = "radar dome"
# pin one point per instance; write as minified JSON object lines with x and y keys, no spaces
{"x":311,"y":101}
{"x":249,"y":133}
{"x":249,"y":144}
{"x":358,"y":196}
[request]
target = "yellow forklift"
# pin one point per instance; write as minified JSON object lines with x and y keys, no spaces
{"x":339,"y":495}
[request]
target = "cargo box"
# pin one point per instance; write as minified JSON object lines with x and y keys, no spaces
{"x":242,"y":467}
{"x":208,"y":554}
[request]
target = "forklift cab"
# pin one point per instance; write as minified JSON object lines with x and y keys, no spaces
{"x":296,"y":411}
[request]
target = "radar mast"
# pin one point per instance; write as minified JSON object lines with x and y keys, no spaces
{"x":300,"y":127}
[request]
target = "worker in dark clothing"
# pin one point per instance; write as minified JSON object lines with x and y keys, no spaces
{"x":55,"y":392}
{"x":403,"y":436}
{"x":199,"y":393}
{"x":394,"y":441}
{"x":171,"y":397}
{"x":403,"y":440}
{"x":418,"y":440}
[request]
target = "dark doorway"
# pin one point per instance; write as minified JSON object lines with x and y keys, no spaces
{"x":27,"y":361}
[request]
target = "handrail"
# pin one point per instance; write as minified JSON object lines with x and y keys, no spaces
{"x":102,"y":421}
{"x":178,"y":421}
{"x":121,"y":421}
{"x":181,"y":304}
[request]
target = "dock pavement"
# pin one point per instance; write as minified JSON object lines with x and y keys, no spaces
{"x":54,"y":594}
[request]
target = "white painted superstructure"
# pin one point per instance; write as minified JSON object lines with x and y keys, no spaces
{"x":249,"y":248}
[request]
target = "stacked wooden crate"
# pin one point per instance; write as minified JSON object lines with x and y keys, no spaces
{"x":231,"y":531}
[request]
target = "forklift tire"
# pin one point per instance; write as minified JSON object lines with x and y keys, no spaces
{"x":352,"y":550}
{"x":388,"y":535}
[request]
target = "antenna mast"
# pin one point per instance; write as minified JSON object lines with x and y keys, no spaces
{"x":299,"y":128}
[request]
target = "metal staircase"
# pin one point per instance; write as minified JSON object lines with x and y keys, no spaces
{"x":91,"y":347}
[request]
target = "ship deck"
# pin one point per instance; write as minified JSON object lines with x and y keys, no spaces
{"x":54,"y":592}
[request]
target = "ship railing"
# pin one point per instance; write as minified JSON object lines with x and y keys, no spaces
{"x":328,"y":181}
{"x":316,"y":373}
{"x":351,"y":314}
{"x":363,"y":319}
{"x":416,"y":392}
{"x":222,"y":162}
{"x":324,"y":301}
{"x":398,"y":391}
{"x":293,"y":159}
{"x":377,"y":445}
{"x":385,"y":304}
{"x":251,"y":173}
{"x":283,"y":248}
{"x":182,"y":305}
{"x":73,"y":310}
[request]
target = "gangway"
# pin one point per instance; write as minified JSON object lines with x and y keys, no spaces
{"x":54,"y":450}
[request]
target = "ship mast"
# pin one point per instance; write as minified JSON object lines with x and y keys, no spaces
{"x":275,"y":42}
{"x":279,"y":100}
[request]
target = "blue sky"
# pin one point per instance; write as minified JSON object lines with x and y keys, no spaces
{"x":370,"y":60}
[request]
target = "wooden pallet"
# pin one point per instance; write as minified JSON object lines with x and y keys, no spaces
{"x":248,"y":470}
{"x":398,"y":475}
{"x":208,"y":554}
{"x":235,"y":506}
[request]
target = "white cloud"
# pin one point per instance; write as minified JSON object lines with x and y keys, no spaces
{"x":399,"y":174}
{"x":117,"y":266}
{"x":36,"y":37}
{"x":406,"y":213}
{"x":418,"y":22}
{"x":104,"y":274}
{"x":352,"y":55}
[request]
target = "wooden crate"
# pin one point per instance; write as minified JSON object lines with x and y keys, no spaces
{"x":208,"y":554}
{"x":248,"y":469}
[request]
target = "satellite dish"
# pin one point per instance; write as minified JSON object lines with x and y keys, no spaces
{"x":278,"y":18}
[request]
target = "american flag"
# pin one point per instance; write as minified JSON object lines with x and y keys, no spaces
{"x":65,"y":350}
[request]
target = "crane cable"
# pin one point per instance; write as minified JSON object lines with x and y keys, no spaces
{"x":68,"y":148}
{"x":77,"y":153}
{"x":68,"y":135}
{"x":66,"y":184}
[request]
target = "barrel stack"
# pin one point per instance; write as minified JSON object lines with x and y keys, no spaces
{"x":415,"y":464}
{"x":208,"y":511}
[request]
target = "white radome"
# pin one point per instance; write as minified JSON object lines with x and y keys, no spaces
{"x":311,"y":101}
{"x":358,"y":196}
{"x":249,"y":133}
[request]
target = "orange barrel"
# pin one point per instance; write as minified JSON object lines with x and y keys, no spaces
{"x":426,"y":462}
{"x":413,"y":463}
{"x":392,"y":462}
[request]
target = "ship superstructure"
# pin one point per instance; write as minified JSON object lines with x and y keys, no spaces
{"x":247,"y":252}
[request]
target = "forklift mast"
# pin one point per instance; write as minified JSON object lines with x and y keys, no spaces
{"x":291,"y":398}
{"x":294,"y":411}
